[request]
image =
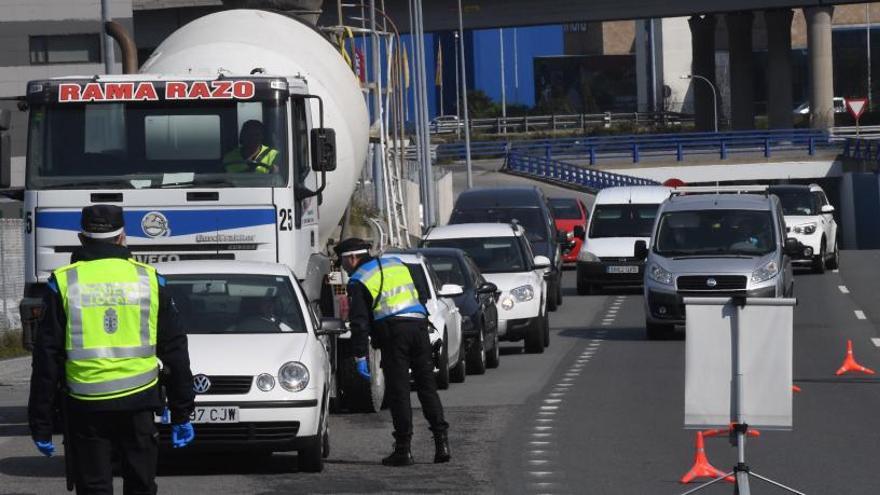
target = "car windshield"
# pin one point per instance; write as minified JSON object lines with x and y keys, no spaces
{"x":537,"y":229}
{"x":492,"y":254}
{"x":565,"y":209}
{"x":628,"y":220}
{"x":715,"y":232}
{"x":236,"y":304}
{"x":448,"y":270}
{"x":796,"y":201}
{"x":161,"y":144}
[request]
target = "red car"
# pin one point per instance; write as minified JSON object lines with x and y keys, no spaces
{"x":570,"y":213}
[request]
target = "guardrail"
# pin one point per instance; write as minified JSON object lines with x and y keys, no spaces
{"x":862,"y":148}
{"x":844,"y":133}
{"x":567,"y":174}
{"x":636,"y":147}
{"x":528,"y":123}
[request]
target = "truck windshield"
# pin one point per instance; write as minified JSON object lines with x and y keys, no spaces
{"x":492,"y":254}
{"x":158,"y":144}
{"x":233,"y":304}
{"x":628,"y":220}
{"x":715,"y":232}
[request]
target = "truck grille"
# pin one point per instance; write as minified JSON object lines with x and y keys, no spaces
{"x":703,"y":283}
{"x":229,"y":385}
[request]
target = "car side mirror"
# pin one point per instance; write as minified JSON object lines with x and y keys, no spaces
{"x":541,"y":262}
{"x":580,"y":232}
{"x":792,"y":246}
{"x":323,"y":141}
{"x":641,"y":250}
{"x":487,"y":288}
{"x":331,"y":326}
{"x":827,"y":209}
{"x":450,"y":290}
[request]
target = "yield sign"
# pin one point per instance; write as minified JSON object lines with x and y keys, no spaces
{"x":856,"y":106}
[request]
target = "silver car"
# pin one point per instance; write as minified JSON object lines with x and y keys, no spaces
{"x":714,"y":245}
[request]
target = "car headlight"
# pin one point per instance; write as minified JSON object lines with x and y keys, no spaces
{"x":507,"y":303}
{"x":806,"y":229}
{"x":660,"y":274}
{"x":766,"y":272}
{"x":265,"y":382}
{"x":586,"y":256}
{"x":523,"y":293}
{"x":293,"y":376}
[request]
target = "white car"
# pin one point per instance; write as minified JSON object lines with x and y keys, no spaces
{"x":259,"y":358}
{"x":444,"y":318}
{"x":809,"y":218}
{"x":504,"y":256}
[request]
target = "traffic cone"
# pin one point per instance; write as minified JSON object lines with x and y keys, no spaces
{"x":701,"y":467}
{"x":795,"y":388}
{"x":850,"y":364}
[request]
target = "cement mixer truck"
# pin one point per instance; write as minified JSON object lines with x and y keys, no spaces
{"x":158,"y":143}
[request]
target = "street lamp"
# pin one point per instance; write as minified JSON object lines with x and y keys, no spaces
{"x":714,"y":95}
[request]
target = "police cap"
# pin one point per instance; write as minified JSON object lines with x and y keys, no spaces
{"x":102,"y":221}
{"x":352,"y":246}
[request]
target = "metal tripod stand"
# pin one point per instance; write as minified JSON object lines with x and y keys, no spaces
{"x":741,"y":471}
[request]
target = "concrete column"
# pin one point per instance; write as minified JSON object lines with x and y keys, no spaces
{"x":742,"y":74}
{"x":779,"y":98}
{"x":703,"y":47}
{"x":821,"y":66}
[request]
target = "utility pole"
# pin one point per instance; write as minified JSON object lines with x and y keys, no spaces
{"x":464,"y":98}
{"x":515,"y":68}
{"x":868,"y":33}
{"x":109,"y":53}
{"x":457,"y":90}
{"x":503,"y":85}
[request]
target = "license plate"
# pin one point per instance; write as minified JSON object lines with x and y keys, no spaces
{"x":224,"y":414}
{"x":622,"y":269}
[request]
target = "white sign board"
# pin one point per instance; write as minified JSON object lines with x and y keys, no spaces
{"x":766,"y":365}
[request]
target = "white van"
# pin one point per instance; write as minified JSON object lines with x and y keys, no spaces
{"x":620,"y":217}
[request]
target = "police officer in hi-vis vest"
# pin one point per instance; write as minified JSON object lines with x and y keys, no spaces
{"x":106,"y":320}
{"x":385,"y":305}
{"x":252,"y":155}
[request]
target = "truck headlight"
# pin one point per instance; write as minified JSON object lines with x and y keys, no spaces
{"x":766,"y":272}
{"x":293,"y":376}
{"x":523,"y":293}
{"x":586,"y":256}
{"x":507,"y":303}
{"x":265,"y":382}
{"x":660,"y":274}
{"x":806,"y":229}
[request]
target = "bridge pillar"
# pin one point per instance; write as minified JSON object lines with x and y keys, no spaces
{"x":821,"y":66}
{"x":742,"y":75}
{"x":703,"y":64}
{"x":779,"y":95}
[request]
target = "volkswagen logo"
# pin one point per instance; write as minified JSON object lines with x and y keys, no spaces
{"x":201,"y":384}
{"x":154,"y":224}
{"x":711,"y":282}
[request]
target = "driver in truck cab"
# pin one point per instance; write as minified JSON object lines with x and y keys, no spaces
{"x":251,"y":155}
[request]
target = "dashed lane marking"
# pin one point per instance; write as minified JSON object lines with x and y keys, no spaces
{"x":876,"y":341}
{"x":843,"y":289}
{"x":835,"y":270}
{"x":860,"y":314}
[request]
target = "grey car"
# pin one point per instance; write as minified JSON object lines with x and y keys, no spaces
{"x":714,"y":245}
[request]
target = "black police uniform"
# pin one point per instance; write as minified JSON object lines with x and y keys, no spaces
{"x":124,"y":424}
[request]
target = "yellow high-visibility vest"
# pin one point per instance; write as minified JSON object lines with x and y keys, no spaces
{"x":391,"y":286}
{"x":235,"y":163}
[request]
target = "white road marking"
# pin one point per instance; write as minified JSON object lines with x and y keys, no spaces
{"x":567,"y":379}
{"x":538,"y":462}
{"x":549,"y":408}
{"x":860,"y":314}
{"x":835,"y":270}
{"x":546,"y":413}
{"x":595,"y":343}
{"x":542,"y":435}
{"x":538,"y":443}
{"x":556,"y":394}
{"x":542,"y":474}
{"x":606,"y":323}
{"x":843,"y":289}
{"x":552,"y":401}
{"x":545,"y":420}
{"x":543,"y":428}
{"x":876,"y":341}
{"x":573,"y":373}
{"x":563,"y":385}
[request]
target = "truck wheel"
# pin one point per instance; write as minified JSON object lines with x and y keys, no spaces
{"x":476,"y":355}
{"x":493,"y":358}
{"x":658,"y":331}
{"x":534,"y":339}
{"x":443,"y":366}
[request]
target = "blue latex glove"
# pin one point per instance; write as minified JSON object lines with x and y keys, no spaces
{"x":363,"y":368}
{"x":45,"y":448}
{"x":182,"y":435}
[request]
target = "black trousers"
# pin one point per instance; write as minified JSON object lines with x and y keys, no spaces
{"x":405,"y":346}
{"x":131,"y":434}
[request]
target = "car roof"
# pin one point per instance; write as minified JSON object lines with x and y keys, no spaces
{"x":484,"y":197}
{"x":790,"y":187}
{"x":718,"y":202}
{"x":432,"y":251}
{"x":633,"y":194}
{"x":471,"y":230}
{"x":408,"y":258}
{"x":221,"y":266}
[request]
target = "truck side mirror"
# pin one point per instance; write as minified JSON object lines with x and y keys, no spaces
{"x":641,"y":250}
{"x":323,"y":149}
{"x":5,"y":150}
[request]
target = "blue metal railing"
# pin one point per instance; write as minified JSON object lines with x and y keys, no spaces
{"x":862,"y":148}
{"x":635,"y":148}
{"x":567,"y":174}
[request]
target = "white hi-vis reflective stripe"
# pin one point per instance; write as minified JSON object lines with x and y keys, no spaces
{"x":110,"y":386}
{"x":111,"y":352}
{"x":385,"y":310}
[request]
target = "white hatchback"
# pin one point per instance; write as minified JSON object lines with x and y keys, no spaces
{"x":809,"y":218}
{"x":259,"y":358}
{"x":505,"y":258}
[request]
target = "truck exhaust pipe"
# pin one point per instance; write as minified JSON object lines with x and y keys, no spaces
{"x":126,"y":45}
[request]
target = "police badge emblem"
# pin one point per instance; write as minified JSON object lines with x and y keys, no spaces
{"x":111,"y":320}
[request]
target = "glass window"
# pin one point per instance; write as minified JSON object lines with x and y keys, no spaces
{"x":236,"y":304}
{"x":531,"y":218}
{"x":301,"y":140}
{"x":65,"y":49}
{"x":715,"y":232}
{"x":629,"y":220}
{"x":420,"y":281}
{"x":182,"y":137}
{"x":448,"y":270}
{"x":491,"y":254}
{"x":796,"y":201}
{"x":565,"y":209}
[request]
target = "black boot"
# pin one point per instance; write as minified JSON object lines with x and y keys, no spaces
{"x":402,"y":456}
{"x":441,"y":445}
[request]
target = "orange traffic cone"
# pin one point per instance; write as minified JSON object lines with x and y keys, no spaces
{"x":718,"y":431}
{"x":795,"y":388}
{"x":701,"y":467}
{"x":850,"y":364}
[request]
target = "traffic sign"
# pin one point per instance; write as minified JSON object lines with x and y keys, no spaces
{"x":856,"y":106}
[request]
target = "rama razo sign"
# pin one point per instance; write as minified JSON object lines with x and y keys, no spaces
{"x":147,"y":91}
